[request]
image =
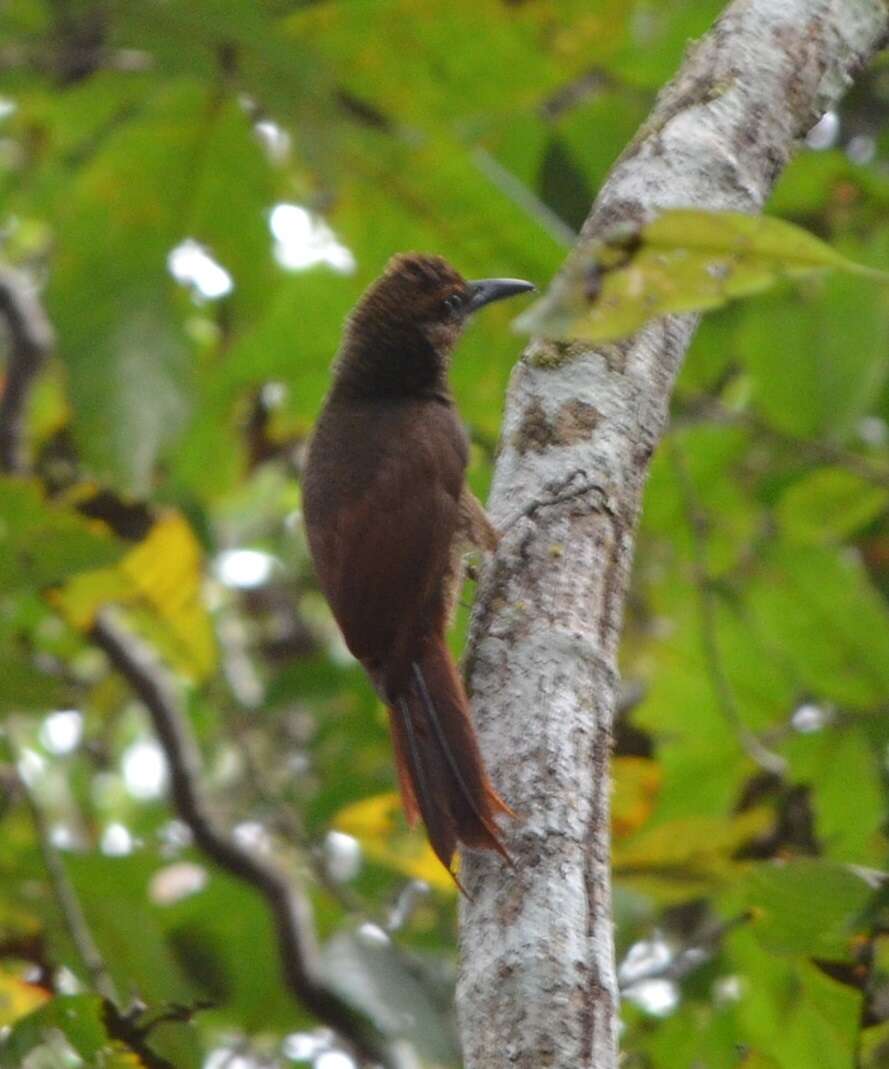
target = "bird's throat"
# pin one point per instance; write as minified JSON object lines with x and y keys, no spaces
{"x":400,"y":368}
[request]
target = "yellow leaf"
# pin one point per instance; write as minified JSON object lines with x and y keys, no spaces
{"x":372,"y":817}
{"x":85,"y":593}
{"x":119,"y":1056}
{"x":18,"y":997}
{"x":166,"y":570}
{"x":161,"y":579}
{"x":377,"y":824}
{"x":680,"y":858}
{"x":637,"y":782}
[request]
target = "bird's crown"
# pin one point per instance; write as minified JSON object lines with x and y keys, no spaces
{"x":422,"y":272}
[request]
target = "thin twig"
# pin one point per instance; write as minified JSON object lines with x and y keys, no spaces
{"x":523,"y":197}
{"x":290,"y":907}
{"x":579,"y":90}
{"x":30,"y":340}
{"x":767,"y":759}
{"x":63,"y":891}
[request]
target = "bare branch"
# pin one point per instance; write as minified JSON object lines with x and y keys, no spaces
{"x":30,"y":341}
{"x":290,"y":907}
{"x":579,"y":90}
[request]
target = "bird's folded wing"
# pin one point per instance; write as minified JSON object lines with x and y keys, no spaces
{"x":386,"y":551}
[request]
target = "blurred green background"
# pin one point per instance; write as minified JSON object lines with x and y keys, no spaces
{"x":200,"y":190}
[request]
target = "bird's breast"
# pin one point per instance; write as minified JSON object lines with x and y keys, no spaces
{"x":381,"y":497}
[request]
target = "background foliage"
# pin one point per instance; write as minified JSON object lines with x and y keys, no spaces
{"x":294,"y":147}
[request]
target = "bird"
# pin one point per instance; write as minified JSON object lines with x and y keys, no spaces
{"x":389,"y":517}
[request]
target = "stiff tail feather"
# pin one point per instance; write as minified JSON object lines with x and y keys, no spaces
{"x":440,"y":768}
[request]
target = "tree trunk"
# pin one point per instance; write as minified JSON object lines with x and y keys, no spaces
{"x":537,"y":985}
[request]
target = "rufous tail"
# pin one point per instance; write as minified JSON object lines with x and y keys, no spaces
{"x":440,"y":768}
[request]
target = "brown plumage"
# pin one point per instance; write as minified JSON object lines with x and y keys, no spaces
{"x":388,"y":517}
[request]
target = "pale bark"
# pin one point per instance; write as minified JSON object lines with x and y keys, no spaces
{"x":537,"y":986}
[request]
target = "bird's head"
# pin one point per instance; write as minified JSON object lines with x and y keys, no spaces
{"x":402,"y":332}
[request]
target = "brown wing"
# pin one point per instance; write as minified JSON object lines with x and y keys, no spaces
{"x":382,"y":548}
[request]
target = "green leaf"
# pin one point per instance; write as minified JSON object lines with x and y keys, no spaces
{"x":848,"y":822}
{"x":817,"y":357}
{"x":120,"y":335}
{"x":824,"y":1029}
{"x":402,"y":995}
{"x":597,"y":133}
{"x":468,"y":58}
{"x":659,"y":34}
{"x":817,"y":607}
{"x":828,"y":505}
{"x":787,"y":1008}
{"x":113,"y":894}
{"x":188,"y":165}
{"x":806,"y":907}
{"x":712,"y":456}
{"x":224,"y":941}
{"x":875,"y":1046}
{"x":682,"y":261}
{"x":41,"y":543}
{"x":227,"y":207}
{"x":563,"y":184}
{"x":218,"y":41}
{"x":25,"y":685}
{"x":78,"y":1020}
{"x":811,"y":179}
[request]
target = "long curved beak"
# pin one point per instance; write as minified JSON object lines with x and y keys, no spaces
{"x":486,"y":290}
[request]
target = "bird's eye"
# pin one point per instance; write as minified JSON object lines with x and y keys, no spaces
{"x":453,"y":304}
